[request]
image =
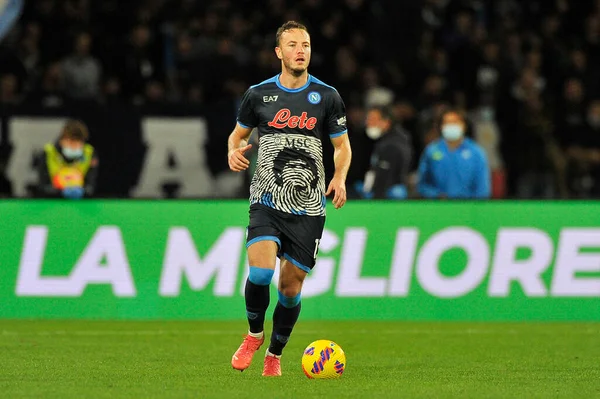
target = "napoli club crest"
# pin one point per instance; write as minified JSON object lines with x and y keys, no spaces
{"x":314,"y":97}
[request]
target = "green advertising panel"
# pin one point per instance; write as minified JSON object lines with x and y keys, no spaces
{"x":390,"y":260}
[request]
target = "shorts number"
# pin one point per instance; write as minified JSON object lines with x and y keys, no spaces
{"x":316,"y":248}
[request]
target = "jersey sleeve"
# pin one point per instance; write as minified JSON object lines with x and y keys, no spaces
{"x":246,"y":115}
{"x":336,"y":120}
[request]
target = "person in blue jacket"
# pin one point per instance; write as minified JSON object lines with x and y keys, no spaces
{"x":453,"y":166}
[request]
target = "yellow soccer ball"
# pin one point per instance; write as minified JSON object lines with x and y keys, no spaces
{"x":323,"y":359}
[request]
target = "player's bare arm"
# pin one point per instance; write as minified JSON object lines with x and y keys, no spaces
{"x":237,"y":147}
{"x":342,"y":156}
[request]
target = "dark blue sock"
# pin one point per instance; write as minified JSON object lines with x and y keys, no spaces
{"x":285,"y":317}
{"x":257,"y":302}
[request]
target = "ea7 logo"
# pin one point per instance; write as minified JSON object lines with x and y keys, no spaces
{"x":268,"y":99}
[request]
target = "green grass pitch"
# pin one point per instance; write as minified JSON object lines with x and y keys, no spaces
{"x":76,"y":359}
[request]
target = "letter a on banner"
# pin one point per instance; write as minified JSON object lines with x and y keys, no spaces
{"x":183,"y":140}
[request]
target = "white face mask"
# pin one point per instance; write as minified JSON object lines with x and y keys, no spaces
{"x":72,"y":153}
{"x":374,"y":132}
{"x":452,"y":131}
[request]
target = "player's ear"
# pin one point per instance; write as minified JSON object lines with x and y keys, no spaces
{"x":278,"y":52}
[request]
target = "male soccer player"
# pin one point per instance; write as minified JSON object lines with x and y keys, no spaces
{"x":291,"y":112}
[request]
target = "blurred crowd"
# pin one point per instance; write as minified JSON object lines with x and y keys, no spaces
{"x":526,"y":72}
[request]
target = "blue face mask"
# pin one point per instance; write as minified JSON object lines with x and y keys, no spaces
{"x":452,"y":131}
{"x":72,"y":153}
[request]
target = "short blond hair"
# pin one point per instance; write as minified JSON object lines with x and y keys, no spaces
{"x":289,"y":25}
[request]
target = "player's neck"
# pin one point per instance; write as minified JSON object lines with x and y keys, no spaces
{"x":290,"y":81}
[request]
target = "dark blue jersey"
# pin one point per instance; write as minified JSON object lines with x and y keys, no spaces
{"x":289,"y":175}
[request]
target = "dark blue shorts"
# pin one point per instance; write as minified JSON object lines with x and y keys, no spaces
{"x":297,"y":236}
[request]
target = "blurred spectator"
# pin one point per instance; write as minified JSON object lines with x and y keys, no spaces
{"x":187,"y":63}
{"x":82,"y":71}
{"x":591,"y":38}
{"x":487,"y":134}
{"x":30,"y":55}
{"x":155,"y":93}
{"x":583,"y":151}
{"x":375,"y":93}
{"x":433,"y":91}
{"x":488,"y":74}
{"x":139,"y":63}
{"x":347,"y":68}
{"x":390,"y":160}
{"x":578,"y":68}
{"x":570,"y":116}
{"x":454,"y":166}
{"x":69,"y":167}
{"x":9,"y":90}
{"x":539,"y":159}
{"x":428,"y":123}
{"x":111,"y":90}
{"x":529,"y":83}
{"x":50,"y":93}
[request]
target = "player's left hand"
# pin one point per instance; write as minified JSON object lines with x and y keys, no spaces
{"x":338,"y":186}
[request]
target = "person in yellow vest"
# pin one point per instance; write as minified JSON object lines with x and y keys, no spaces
{"x":68,"y":167}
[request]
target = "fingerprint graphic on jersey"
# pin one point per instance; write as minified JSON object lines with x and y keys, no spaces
{"x":289,"y":174}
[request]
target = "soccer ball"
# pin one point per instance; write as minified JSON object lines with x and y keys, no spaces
{"x":323,"y":359}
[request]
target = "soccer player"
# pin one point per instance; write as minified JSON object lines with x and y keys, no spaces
{"x":291,"y":112}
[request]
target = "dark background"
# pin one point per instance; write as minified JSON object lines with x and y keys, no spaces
{"x":186,"y":57}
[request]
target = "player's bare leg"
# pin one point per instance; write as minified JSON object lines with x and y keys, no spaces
{"x":285,"y":316}
{"x":261,"y":257}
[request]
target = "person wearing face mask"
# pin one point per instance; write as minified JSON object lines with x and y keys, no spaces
{"x":454,"y":166}
{"x":69,"y":167}
{"x":390,"y":160}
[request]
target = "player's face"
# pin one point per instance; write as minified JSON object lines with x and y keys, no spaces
{"x":294,"y":50}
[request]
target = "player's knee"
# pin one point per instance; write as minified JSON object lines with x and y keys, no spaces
{"x":289,"y":300}
{"x":289,"y":285}
{"x":260,"y":275}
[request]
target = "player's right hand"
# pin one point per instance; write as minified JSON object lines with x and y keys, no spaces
{"x":237,"y":161}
